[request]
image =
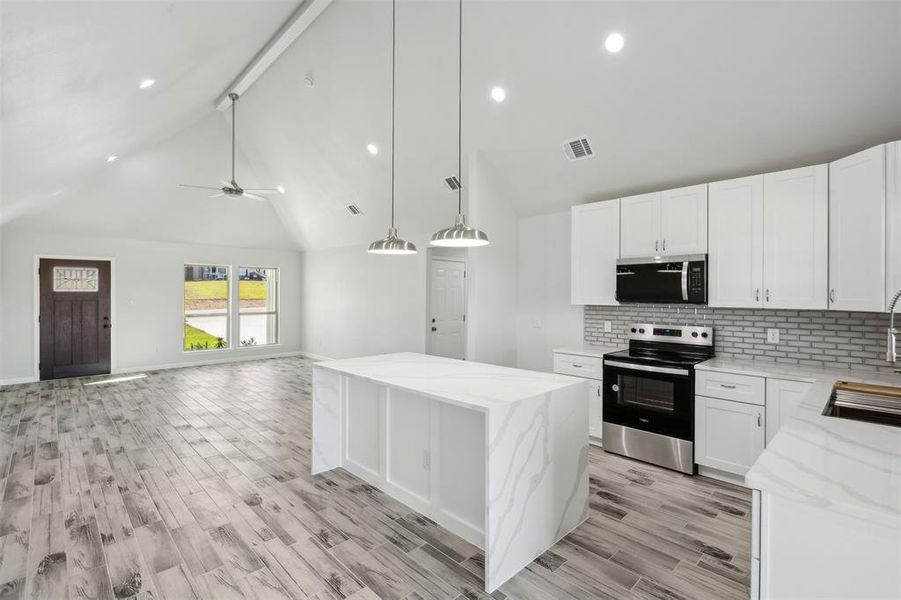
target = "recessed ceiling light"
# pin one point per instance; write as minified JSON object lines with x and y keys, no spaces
{"x":498,"y":94}
{"x":373,"y":149}
{"x":112,"y":158}
{"x":614,"y":43}
{"x":280,"y":188}
{"x":147,"y":83}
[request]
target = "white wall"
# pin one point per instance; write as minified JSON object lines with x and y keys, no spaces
{"x":356,"y":303}
{"x":545,"y":319}
{"x":492,"y":269}
{"x":147,"y":293}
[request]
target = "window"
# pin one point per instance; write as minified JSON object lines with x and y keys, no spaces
{"x":206,"y":307}
{"x":257,"y":306}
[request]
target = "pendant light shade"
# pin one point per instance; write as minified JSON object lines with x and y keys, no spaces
{"x":392,"y":244}
{"x":460,"y":235}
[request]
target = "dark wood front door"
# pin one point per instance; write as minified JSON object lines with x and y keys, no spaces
{"x":75,"y":318}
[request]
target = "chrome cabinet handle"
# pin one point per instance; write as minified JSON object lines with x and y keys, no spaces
{"x":767,"y":294}
{"x":664,"y":245}
{"x":758,"y":420}
{"x":728,"y":387}
{"x":757,"y":295}
{"x":832,"y":295}
{"x":657,"y":246}
{"x":577,"y":366}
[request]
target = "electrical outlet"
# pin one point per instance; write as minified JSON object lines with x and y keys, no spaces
{"x":608,"y":326}
{"x":772,"y":336}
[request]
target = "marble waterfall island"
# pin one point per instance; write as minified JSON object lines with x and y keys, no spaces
{"x":498,"y":456}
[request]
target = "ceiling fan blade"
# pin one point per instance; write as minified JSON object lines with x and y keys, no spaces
{"x":262,"y":190}
{"x":253,"y":196}
{"x":201,"y":187}
{"x":215,"y":195}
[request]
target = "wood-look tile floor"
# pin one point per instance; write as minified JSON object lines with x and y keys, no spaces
{"x":195,"y":483}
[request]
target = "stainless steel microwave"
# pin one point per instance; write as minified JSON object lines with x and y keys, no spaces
{"x":664,"y":280}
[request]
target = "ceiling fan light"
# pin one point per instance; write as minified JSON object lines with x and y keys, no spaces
{"x":392,"y":245}
{"x":460,"y":235}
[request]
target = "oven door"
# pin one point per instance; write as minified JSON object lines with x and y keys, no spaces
{"x":650,"y":398}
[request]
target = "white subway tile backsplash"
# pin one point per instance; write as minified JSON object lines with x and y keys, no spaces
{"x":812,"y":338}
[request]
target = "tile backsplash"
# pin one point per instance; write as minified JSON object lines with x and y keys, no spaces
{"x":807,"y":337}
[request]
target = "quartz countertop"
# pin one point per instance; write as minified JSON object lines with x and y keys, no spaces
{"x":848,"y":465}
{"x":469,"y":384}
{"x":588,"y":350}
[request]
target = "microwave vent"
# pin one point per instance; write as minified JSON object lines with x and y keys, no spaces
{"x":578,"y":149}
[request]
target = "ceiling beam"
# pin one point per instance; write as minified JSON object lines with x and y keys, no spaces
{"x":296,"y":24}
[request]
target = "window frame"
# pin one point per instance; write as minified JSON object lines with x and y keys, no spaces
{"x":276,"y":312}
{"x":228,"y":308}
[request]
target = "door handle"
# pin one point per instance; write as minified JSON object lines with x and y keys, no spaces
{"x":434,"y":329}
{"x":728,"y":387}
{"x":832,"y":295}
{"x":576,"y":365}
{"x":767,"y":295}
{"x":664,"y":245}
{"x":656,"y":245}
{"x":757,"y":295}
{"x":759,"y":420}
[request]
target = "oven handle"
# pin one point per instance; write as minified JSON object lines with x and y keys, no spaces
{"x":649,"y":369}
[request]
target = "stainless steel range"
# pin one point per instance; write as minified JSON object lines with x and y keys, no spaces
{"x":649,"y":394}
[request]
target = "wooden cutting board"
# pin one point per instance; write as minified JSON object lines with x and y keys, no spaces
{"x":868,"y":388}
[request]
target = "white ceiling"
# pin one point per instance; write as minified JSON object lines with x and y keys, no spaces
{"x":702,"y":91}
{"x":70,"y":97}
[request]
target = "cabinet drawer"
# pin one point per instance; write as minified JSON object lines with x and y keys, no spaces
{"x":728,"y":386}
{"x":589,"y":367}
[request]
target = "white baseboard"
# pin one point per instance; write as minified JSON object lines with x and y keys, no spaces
{"x":179,"y":365}
{"x":312,"y":356}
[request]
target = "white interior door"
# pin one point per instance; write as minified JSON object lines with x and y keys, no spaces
{"x":447,"y":313}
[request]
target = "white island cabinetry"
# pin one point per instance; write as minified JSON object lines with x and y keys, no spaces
{"x":498,"y":456}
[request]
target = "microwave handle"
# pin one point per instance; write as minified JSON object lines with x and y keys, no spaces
{"x":685,"y":281}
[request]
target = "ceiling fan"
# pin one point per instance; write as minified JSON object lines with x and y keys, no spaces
{"x":231,"y":188}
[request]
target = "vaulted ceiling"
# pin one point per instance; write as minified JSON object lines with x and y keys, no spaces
{"x":701,"y":91}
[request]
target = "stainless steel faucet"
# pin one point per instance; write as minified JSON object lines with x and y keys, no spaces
{"x":891,"y":354}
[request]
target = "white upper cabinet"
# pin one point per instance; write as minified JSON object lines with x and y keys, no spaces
{"x":735,"y":268}
{"x":795,"y":246}
{"x":683,"y":221}
{"x":666,"y":223}
{"x":857,"y":231}
{"x":640,"y":226}
{"x":595,"y":248}
{"x":893,"y":218}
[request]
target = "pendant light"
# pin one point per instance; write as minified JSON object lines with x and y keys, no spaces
{"x":392,"y":244}
{"x":460,"y":235}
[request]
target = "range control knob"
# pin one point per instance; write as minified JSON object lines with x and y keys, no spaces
{"x":705,"y":334}
{"x":694,"y":334}
{"x":641,"y":331}
{"x":634,"y":330}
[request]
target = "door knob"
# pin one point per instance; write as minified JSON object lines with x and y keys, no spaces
{"x":434,"y":329}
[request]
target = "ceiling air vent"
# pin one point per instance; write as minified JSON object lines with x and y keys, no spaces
{"x":354,"y":209}
{"x":578,"y":149}
{"x":452,"y":183}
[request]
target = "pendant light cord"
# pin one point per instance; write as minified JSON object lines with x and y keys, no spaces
{"x":393,"y":94}
{"x":460,"y":117}
{"x":234,"y":99}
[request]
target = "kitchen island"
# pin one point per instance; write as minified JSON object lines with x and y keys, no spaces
{"x":498,"y":456}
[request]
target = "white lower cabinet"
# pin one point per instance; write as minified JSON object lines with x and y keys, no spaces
{"x":729,"y":435}
{"x":782,"y":400}
{"x":589,"y":368}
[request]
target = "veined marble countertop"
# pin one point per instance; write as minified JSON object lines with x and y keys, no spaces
{"x":852,"y":466}
{"x":468,"y":384}
{"x":588,"y":350}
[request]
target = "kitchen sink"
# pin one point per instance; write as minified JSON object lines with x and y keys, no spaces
{"x":864,"y":402}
